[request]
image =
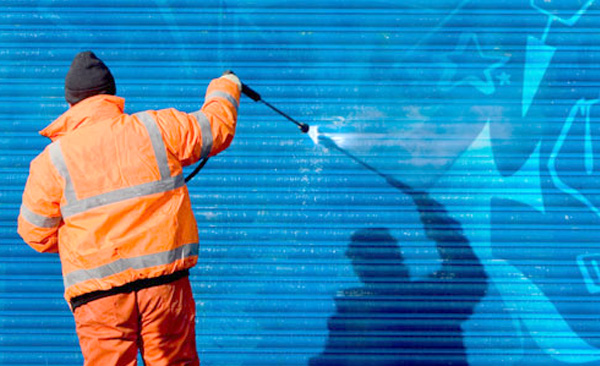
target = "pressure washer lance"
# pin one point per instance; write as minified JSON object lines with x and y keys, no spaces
{"x":252,"y":94}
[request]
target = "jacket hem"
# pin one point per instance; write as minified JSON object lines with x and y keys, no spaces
{"x":80,"y":300}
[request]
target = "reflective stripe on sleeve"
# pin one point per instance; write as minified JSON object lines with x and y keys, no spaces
{"x":206,"y":131}
{"x":58,"y":160}
{"x":224,"y":95}
{"x":40,"y":220}
{"x":158,"y":144}
{"x":123,"y":264}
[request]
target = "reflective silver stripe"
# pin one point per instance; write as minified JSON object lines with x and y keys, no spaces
{"x":123,"y":194}
{"x":158,"y":144}
{"x":166,"y":183}
{"x":207,"y":137}
{"x":123,"y":264}
{"x":58,"y":160}
{"x":222,"y":94}
{"x":39,"y":220}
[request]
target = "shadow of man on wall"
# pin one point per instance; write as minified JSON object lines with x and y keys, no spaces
{"x":391,"y":320}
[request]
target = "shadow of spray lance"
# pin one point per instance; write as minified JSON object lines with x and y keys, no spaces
{"x":328,"y":142}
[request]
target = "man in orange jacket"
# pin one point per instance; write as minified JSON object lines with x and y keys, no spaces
{"x":108,"y":195}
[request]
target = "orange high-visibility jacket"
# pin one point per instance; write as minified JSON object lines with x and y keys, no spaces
{"x":108,"y":194}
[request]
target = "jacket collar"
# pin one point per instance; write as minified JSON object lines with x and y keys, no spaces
{"x":89,"y":110}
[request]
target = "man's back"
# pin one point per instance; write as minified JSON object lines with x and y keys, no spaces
{"x":109,"y":194}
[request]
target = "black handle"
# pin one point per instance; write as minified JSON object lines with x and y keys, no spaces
{"x":250,"y":93}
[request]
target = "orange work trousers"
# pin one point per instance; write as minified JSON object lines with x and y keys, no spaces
{"x":159,"y":321}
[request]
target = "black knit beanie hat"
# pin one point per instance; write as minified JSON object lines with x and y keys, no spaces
{"x":88,"y":76}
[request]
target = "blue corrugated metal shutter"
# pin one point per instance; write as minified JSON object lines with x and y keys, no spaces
{"x":448,"y":214}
